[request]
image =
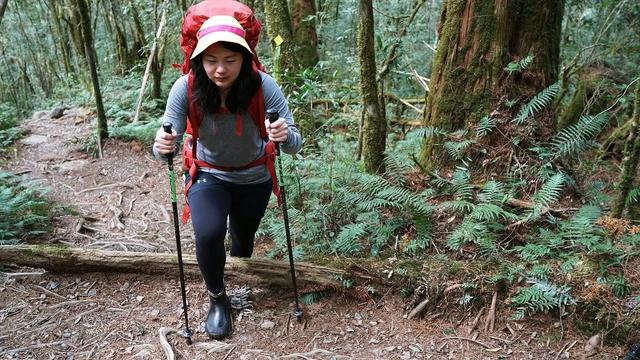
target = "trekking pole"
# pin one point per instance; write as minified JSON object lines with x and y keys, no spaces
{"x":172,"y":180}
{"x":273,"y":115}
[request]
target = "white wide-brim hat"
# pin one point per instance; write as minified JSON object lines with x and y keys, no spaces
{"x":220,"y":28}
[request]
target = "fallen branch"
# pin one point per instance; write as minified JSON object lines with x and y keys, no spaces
{"x":73,"y":260}
{"x":127,"y":185}
{"x":162,"y":333}
{"x":467,"y":339}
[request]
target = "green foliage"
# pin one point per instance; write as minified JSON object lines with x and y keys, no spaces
{"x":578,"y":137}
{"x":520,"y":65}
{"x":9,"y":132}
{"x":549,"y":192}
{"x":24,"y":210}
{"x":485,"y":126}
{"x":537,"y":103}
{"x":619,"y":285}
{"x":312,"y":297}
{"x":541,"y":296}
{"x":144,"y":131}
{"x":456,"y":149}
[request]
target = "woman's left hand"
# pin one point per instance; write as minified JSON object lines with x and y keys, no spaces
{"x":278,"y":130}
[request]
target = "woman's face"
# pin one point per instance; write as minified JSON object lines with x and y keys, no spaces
{"x":221,"y":65}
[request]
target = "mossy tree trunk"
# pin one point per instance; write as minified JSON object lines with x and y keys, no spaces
{"x":374,"y":130}
{"x":62,"y":36}
{"x":630,"y":159}
{"x":303,"y":24}
{"x":477,"y":39}
{"x":115,"y":17}
{"x":87,"y":37}
{"x":3,"y":7}
{"x":279,"y":29}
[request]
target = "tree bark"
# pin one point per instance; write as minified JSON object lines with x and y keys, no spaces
{"x":3,"y":7}
{"x":304,"y":32}
{"x":78,"y":260}
{"x":477,"y":39}
{"x":102,"y":130}
{"x":279,"y":25}
{"x":630,"y":160}
{"x":374,"y":129}
{"x":63,"y":37}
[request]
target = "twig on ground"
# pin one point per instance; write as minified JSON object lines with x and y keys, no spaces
{"x":31,"y":347}
{"x":72,"y":302}
{"x":467,"y":339}
{"x":21,"y":274}
{"x":419,"y":309}
{"x":48,"y":292}
{"x":229,"y":353}
{"x":127,"y":185}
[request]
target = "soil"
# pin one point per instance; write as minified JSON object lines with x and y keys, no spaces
{"x":121,"y":202}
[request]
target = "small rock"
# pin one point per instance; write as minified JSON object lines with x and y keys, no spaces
{"x":373,"y":341}
{"x":389,"y":348}
{"x":373,"y":323}
{"x":92,"y":292}
{"x":52,"y":285}
{"x":405,"y":355}
{"x":349,"y":329}
{"x":267,"y":325}
{"x":124,"y":286}
{"x":415,"y":348}
{"x":139,"y":298}
{"x":153,"y":314}
{"x":357,"y":316}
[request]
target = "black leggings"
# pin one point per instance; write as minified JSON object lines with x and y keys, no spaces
{"x":213,"y":200}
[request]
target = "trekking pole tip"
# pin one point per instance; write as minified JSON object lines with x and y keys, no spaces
{"x":298,"y":314}
{"x":167,"y":127}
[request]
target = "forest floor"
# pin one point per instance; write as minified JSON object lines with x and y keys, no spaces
{"x":121,"y":202}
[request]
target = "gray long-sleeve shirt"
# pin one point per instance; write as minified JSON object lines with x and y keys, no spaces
{"x":218,"y":142}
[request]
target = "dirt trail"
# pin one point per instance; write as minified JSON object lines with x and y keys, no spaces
{"x":121,"y":204}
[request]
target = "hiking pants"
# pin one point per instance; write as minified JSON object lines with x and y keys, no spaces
{"x":213,"y":200}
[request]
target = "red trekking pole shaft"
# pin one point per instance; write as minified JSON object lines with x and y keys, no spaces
{"x":172,"y":180}
{"x":272,"y":115}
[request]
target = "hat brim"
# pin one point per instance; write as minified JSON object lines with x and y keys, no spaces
{"x":213,"y":38}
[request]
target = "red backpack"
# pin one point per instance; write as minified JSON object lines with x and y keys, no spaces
{"x":194,"y":17}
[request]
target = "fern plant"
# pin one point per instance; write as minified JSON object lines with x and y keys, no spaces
{"x":485,"y":126}
{"x":578,"y":137}
{"x":520,"y":65}
{"x":456,"y":149}
{"x":24,"y":209}
{"x":537,"y":103}
{"x":542,"y":296}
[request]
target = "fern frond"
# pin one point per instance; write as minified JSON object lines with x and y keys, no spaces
{"x":485,"y":126}
{"x":457,"y":206}
{"x":347,"y":242}
{"x":538,"y":102}
{"x":543,"y":296}
{"x":533,"y":252}
{"x":520,"y":65}
{"x":312,"y":297}
{"x":460,"y":184}
{"x":467,"y":231}
{"x":550,"y":191}
{"x":492,"y":192}
{"x":429,"y":131}
{"x":577,"y":137}
{"x":456,"y":149}
{"x":490,"y":213}
{"x":633,"y":197}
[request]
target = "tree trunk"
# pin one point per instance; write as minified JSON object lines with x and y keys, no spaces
{"x":62,"y":36}
{"x":3,"y":7}
{"x":139,"y":40}
{"x":477,"y":39}
{"x":78,"y":260}
{"x":102,"y":130}
{"x":279,"y":29}
{"x":630,"y":160}
{"x":122,"y":49}
{"x":374,"y":129}
{"x":304,"y":32}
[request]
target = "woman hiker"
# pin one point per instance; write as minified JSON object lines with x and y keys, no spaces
{"x":234,"y":181}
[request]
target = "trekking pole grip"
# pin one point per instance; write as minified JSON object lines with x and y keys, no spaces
{"x":167,"y":128}
{"x":272,"y":116}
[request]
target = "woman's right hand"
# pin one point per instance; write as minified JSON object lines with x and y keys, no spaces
{"x":164,"y":142}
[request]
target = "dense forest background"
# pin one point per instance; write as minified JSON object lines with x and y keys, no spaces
{"x":491,"y":142}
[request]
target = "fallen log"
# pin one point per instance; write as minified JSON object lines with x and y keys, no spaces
{"x":61,"y":259}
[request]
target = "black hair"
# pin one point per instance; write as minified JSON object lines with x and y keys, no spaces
{"x":206,"y":93}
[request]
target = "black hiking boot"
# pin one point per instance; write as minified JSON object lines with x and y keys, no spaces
{"x":219,"y":323}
